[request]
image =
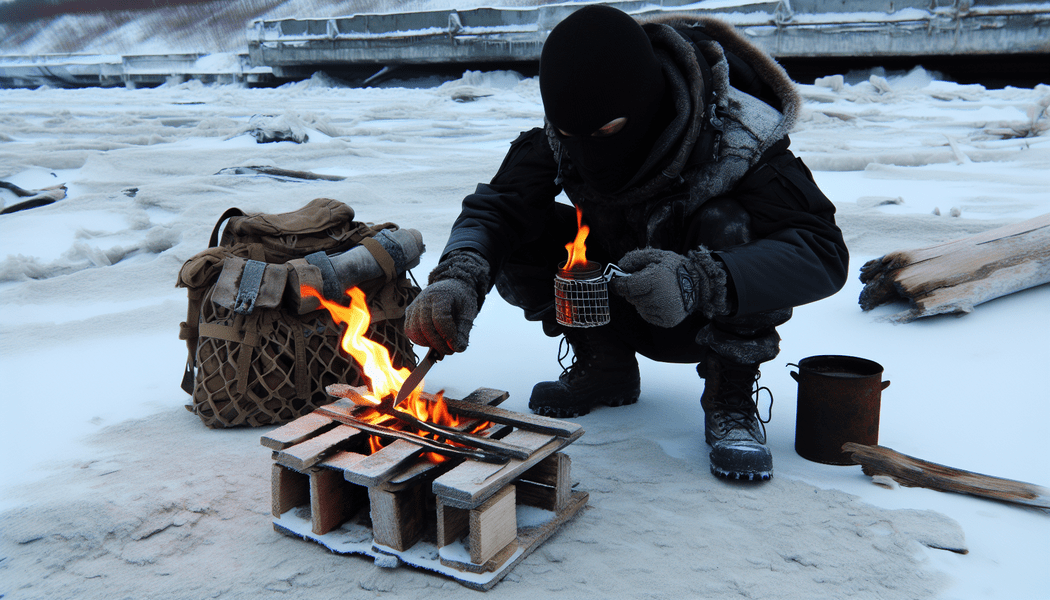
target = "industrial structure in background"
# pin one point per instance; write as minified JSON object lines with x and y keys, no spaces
{"x":807,"y":36}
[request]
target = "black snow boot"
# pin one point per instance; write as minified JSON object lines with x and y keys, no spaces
{"x":604,"y":371}
{"x":732,"y":426}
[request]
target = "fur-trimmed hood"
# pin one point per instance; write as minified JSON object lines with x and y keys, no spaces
{"x":718,"y":133}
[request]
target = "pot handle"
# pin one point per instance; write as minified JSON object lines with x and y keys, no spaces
{"x":885,"y":384}
{"x":793,"y":374}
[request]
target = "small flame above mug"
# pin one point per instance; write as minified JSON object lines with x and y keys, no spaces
{"x":581,"y":294}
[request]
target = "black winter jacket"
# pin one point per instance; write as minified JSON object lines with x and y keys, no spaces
{"x":730,"y":143}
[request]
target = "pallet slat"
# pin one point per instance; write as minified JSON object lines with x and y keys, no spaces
{"x":471,"y":483}
{"x":306,"y":454}
{"x":498,"y":415}
{"x":380,"y":467}
{"x":297,"y":431}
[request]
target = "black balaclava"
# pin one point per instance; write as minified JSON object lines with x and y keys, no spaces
{"x":598,"y":65}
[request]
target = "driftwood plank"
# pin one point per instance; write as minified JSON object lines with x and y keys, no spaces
{"x":957,"y":276}
{"x":913,"y":472}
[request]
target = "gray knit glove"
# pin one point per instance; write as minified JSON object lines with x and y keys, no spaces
{"x":666,"y":287}
{"x":442,"y":314}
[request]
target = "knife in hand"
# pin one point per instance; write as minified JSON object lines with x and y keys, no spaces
{"x":416,"y":377}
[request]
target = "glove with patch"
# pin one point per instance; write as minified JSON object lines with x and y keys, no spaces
{"x":442,"y":314}
{"x":666,"y":287}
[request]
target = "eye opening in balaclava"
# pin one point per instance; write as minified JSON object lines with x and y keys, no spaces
{"x":598,"y":65}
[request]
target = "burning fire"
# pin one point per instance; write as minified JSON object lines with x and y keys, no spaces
{"x":383,"y":379}
{"x":577,"y":249}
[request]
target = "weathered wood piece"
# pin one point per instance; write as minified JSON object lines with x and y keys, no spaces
{"x":957,"y":276}
{"x":34,"y":198}
{"x":306,"y":454}
{"x":913,"y":472}
{"x":279,"y":173}
{"x":295,"y":432}
{"x":484,"y":396}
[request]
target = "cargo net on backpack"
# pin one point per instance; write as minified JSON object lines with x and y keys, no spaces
{"x":260,"y":379}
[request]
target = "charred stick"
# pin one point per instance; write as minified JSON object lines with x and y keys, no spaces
{"x":433,"y":446}
{"x":476,"y":441}
{"x":479,"y":442}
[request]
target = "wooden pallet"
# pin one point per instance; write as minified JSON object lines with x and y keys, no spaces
{"x":469,"y":520}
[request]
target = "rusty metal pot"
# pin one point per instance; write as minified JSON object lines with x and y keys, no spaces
{"x":839,"y":400}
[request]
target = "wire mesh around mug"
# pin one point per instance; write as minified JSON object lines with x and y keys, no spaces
{"x":581,"y":295}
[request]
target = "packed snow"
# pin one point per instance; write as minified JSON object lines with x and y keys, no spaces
{"x":111,"y":489}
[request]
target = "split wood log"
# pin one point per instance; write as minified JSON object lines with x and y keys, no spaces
{"x":913,"y":472}
{"x":956,"y":276}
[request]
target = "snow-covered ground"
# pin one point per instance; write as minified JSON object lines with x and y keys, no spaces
{"x":108,"y":488}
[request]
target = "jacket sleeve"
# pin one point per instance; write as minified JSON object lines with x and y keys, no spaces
{"x":799,"y":255}
{"x":510,"y":210}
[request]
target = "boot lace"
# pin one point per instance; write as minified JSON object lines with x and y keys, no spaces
{"x":742,"y":403}
{"x":564,"y":347}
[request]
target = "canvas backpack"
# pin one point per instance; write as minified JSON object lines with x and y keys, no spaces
{"x":259,"y":352}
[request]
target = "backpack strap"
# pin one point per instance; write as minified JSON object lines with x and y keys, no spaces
{"x":386,"y":262}
{"x":246,"y":334}
{"x":248,"y":292}
{"x":213,"y":241}
{"x":329,"y":279}
{"x":188,"y":332}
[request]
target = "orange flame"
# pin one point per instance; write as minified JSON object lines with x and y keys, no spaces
{"x":577,"y":249}
{"x":383,"y":379}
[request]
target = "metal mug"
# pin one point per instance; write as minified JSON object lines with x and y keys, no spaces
{"x":581,"y":295}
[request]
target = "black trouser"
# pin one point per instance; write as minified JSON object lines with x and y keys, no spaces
{"x":526,"y":280}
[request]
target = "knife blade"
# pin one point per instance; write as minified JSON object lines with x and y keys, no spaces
{"x":417,"y":374}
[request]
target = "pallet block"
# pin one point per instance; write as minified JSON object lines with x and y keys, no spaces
{"x":490,"y":531}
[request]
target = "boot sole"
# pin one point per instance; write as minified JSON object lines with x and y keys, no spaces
{"x":569,"y":412}
{"x":742,"y":476}
{"x":743,"y":466}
